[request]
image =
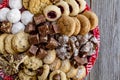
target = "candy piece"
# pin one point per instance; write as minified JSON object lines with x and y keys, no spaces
{"x":17,"y":27}
{"x":43,"y":30}
{"x":15,"y":4}
{"x":81,"y":61}
{"x":3,"y":14}
{"x":34,"y":39}
{"x":41,"y":53}
{"x":26,"y":17}
{"x":33,"y":50}
{"x":30,"y":28}
{"x":39,"y":19}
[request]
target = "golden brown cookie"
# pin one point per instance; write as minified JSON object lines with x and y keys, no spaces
{"x":8,"y":44}
{"x":72,"y":73}
{"x":85,"y":24}
{"x":45,"y":73}
{"x":56,"y":64}
{"x":23,"y":76}
{"x":78,"y":26}
{"x":57,"y":75}
{"x":66,"y":25}
{"x":25,"y":3}
{"x":50,"y":57}
{"x":65,"y":67}
{"x":33,"y":63}
{"x":2,"y":43}
{"x":29,"y":72}
{"x":20,"y":42}
{"x":92,"y":18}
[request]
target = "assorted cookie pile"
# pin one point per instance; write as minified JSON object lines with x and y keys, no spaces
{"x":46,"y":39}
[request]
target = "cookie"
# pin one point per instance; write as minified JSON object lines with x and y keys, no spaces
{"x":29,"y":72}
{"x":2,"y":43}
{"x":23,"y":76}
{"x":82,"y":5}
{"x":8,"y":44}
{"x":66,"y":25}
{"x":92,"y":18}
{"x":45,"y":73}
{"x":57,"y":75}
{"x":33,"y":63}
{"x":73,"y":6}
{"x":25,"y":3}
{"x":50,"y":57}
{"x":72,"y":73}
{"x":52,"y":12}
{"x":85,"y":24}
{"x":20,"y":42}
{"x":56,"y":64}
{"x":64,"y":7}
{"x":78,"y":26}
{"x":65,"y":67}
{"x":81,"y":73}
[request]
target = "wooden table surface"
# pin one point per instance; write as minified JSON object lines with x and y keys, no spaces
{"x":107,"y":66}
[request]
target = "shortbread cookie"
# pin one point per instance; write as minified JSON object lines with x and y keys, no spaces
{"x":29,"y":72}
{"x":2,"y":43}
{"x":66,"y":25}
{"x":8,"y":44}
{"x":78,"y":26}
{"x":82,"y":5}
{"x":73,"y":6}
{"x":92,"y":18}
{"x":81,"y":73}
{"x":25,"y":3}
{"x":20,"y":42}
{"x":57,"y":75}
{"x":23,"y":76}
{"x":50,"y":57}
{"x":45,"y":73}
{"x":64,"y":7}
{"x":56,"y":64}
{"x":52,"y":12}
{"x":65,"y":67}
{"x":33,"y":63}
{"x":85,"y":24}
{"x":72,"y":73}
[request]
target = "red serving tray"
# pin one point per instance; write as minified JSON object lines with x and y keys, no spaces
{"x":92,"y":59}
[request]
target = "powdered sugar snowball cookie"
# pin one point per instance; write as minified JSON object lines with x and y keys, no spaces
{"x":15,"y":4}
{"x":14,"y":15}
{"x":3,"y":14}
{"x":26,"y":17}
{"x":17,"y":27}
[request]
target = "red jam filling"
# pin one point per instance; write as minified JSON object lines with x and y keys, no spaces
{"x":52,"y":14}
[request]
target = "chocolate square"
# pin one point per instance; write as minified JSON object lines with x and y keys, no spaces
{"x":43,"y":30}
{"x":41,"y":53}
{"x":43,"y":39}
{"x":55,"y":27}
{"x":34,"y":39}
{"x":39,"y":19}
{"x":33,"y":50}
{"x":30,"y":28}
{"x":81,"y":61}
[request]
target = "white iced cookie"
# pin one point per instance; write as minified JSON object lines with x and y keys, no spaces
{"x":15,"y":4}
{"x":3,"y":14}
{"x":14,"y":15}
{"x":26,"y":17}
{"x":17,"y":27}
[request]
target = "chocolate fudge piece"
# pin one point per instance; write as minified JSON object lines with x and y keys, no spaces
{"x":30,"y":28}
{"x":34,"y":39}
{"x":81,"y":61}
{"x":43,"y":39}
{"x":52,"y":44}
{"x":39,"y":19}
{"x":43,"y":30}
{"x":33,"y":50}
{"x":55,"y":27}
{"x":41,"y":53}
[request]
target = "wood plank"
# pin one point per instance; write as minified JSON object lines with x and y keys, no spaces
{"x":108,"y":65}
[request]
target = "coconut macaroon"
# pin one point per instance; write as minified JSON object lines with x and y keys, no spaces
{"x":15,"y":4}
{"x":3,"y":14}
{"x":17,"y":27}
{"x":14,"y":15}
{"x":26,"y":17}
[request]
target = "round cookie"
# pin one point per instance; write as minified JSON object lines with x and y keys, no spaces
{"x":25,"y":3}
{"x":52,"y":12}
{"x":92,"y":18}
{"x":50,"y":57}
{"x":85,"y":24}
{"x":8,"y":44}
{"x":32,"y":63}
{"x":57,"y":75}
{"x":45,"y":73}
{"x":3,"y":14}
{"x":29,"y":72}
{"x":64,"y":7}
{"x":20,"y":42}
{"x":66,"y":25}
{"x":65,"y":67}
{"x":2,"y":43}
{"x":72,"y":73}
{"x":78,"y":26}
{"x":73,"y":7}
